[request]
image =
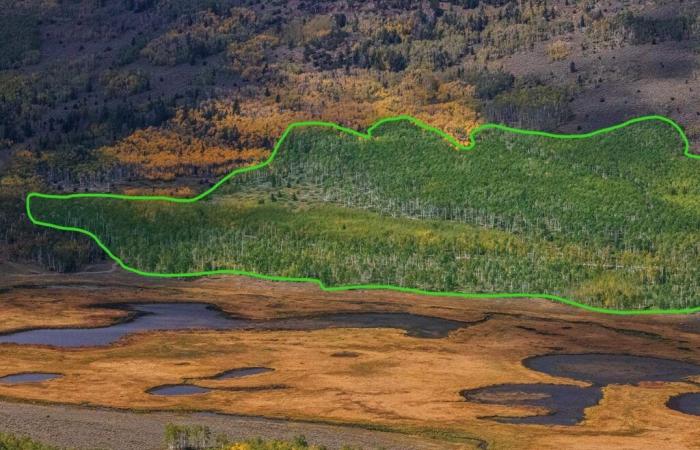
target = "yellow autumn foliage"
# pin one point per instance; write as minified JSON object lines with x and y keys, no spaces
{"x":558,"y":50}
{"x":165,"y":154}
{"x":219,"y":135}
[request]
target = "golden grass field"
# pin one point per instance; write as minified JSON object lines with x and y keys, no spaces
{"x":396,"y":382}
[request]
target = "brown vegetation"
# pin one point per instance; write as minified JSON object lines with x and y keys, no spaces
{"x":370,"y":388}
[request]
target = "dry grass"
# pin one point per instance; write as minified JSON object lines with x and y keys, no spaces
{"x":396,"y":381}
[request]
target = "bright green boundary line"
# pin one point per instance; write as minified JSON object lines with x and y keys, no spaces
{"x":451,"y":139}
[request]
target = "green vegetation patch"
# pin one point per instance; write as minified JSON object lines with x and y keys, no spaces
{"x":14,"y":442}
{"x":610,"y":220}
{"x":199,"y":437}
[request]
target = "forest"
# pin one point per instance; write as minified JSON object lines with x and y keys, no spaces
{"x":166,"y":96}
{"x":608,"y":220}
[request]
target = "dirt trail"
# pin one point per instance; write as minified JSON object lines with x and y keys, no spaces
{"x":86,"y":427}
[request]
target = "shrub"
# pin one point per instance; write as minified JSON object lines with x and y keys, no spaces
{"x":558,"y":50}
{"x":298,"y":443}
{"x":12,"y":442}
{"x":188,"y":437}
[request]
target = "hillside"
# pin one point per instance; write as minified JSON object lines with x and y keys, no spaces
{"x":168,"y":95}
{"x":608,"y":220}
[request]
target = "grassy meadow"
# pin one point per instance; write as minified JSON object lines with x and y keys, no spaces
{"x":610,"y":220}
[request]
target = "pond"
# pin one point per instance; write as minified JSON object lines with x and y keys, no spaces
{"x":565,"y":403}
{"x":688,"y":403}
{"x":178,"y":389}
{"x":186,"y":316}
{"x":28,"y":377}
{"x":240,"y":373}
{"x":609,"y":368}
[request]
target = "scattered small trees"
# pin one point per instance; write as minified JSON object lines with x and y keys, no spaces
{"x":123,"y":83}
{"x":539,"y":107}
{"x":191,"y":437}
{"x":488,"y":85}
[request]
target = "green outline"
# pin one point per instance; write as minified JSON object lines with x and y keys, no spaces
{"x":452,"y":140}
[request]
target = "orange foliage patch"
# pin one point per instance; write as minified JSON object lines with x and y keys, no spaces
{"x":172,"y":191}
{"x":219,"y":135}
{"x":165,"y":154}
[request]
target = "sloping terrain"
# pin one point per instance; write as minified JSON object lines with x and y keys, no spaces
{"x":609,"y":220}
{"x":164,"y":96}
